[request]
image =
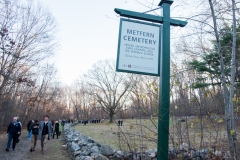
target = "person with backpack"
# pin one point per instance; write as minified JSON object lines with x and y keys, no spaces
{"x":28,"y":129}
{"x":14,"y":129}
{"x":34,"y":130}
{"x":56,"y":129}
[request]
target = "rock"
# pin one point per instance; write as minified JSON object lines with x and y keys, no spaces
{"x":90,"y":140}
{"x":86,"y":153}
{"x":218,"y":153}
{"x":172,"y":155}
{"x":69,"y":140}
{"x":69,"y":136}
{"x":77,"y":158}
{"x":97,"y":144}
{"x":94,"y":154}
{"x":186,"y":156}
{"x":151,"y":153}
{"x":119,"y":152}
{"x":82,"y":143}
{"x":184,"y":146}
{"x":203,"y":156}
{"x":94,"y":149}
{"x":197,"y":158}
{"x":145,"y":157}
{"x":84,"y":148}
{"x":76,"y":140}
{"x":196,"y":154}
{"x":128,"y":156}
{"x":204,"y":150}
{"x":113,"y":158}
{"x":83,"y":158}
{"x":101,"y":157}
{"x":80,"y":158}
{"x":90,"y":145}
{"x":118,"y":155}
{"x":75,"y":146}
{"x":69,"y":145}
{"x":75,"y":154}
{"x":106,"y":150}
{"x":88,"y":158}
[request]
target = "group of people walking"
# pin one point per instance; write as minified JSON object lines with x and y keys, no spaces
{"x":120,"y":122}
{"x":42,"y":131}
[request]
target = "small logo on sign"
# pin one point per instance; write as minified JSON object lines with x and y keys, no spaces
{"x":129,"y":66}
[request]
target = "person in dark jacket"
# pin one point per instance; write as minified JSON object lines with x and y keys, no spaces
{"x":14,"y":129}
{"x":28,"y":129}
{"x":63,"y":122}
{"x":35,"y":129}
{"x":56,"y":129}
{"x":85,"y":122}
{"x":121,"y":122}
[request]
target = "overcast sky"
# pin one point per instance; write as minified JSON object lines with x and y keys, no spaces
{"x":87,"y":32}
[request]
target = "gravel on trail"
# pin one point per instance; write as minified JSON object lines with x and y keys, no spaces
{"x":53,"y":150}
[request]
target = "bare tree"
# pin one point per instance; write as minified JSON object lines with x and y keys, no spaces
{"x":27,"y":37}
{"x":109,"y":88}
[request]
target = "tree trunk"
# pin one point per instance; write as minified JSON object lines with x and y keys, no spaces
{"x":230,"y":123}
{"x":226,"y":97}
{"x":77,"y":113}
{"x":111,"y":114}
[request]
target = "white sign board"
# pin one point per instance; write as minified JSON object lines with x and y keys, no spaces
{"x":139,"y":47}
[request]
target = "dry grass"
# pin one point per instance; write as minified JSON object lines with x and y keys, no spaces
{"x":116,"y":136}
{"x":141,"y":138}
{"x":214,"y":133}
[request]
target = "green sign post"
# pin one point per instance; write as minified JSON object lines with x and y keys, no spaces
{"x":164,"y":95}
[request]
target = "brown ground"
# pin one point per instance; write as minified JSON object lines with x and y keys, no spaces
{"x":53,"y":148}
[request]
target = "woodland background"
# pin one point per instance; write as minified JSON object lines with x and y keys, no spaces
{"x":205,"y":76}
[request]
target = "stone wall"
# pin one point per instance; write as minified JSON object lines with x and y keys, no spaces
{"x":85,"y":148}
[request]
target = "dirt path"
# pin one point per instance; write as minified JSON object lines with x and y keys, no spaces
{"x":53,"y":148}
